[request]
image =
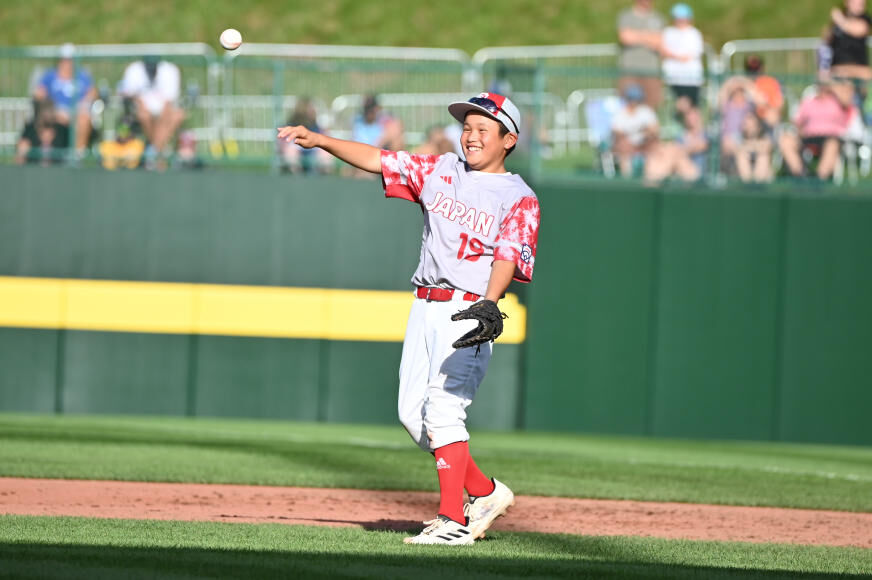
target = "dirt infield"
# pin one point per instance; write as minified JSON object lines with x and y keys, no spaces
{"x":380,"y":510}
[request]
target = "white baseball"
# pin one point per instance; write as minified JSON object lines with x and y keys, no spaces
{"x":230,"y":39}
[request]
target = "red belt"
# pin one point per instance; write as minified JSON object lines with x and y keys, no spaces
{"x":442,"y":294}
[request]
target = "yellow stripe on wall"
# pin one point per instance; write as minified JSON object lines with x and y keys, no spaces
{"x":174,"y":308}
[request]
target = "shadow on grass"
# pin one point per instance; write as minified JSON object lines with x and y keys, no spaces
{"x":49,"y":561}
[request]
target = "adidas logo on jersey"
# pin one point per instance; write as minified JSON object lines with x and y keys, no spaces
{"x":446,"y":179}
{"x":442,"y":464}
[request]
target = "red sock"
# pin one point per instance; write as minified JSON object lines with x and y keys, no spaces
{"x":451,"y":462}
{"x":477,"y":483}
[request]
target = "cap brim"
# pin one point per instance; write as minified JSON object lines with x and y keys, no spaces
{"x":459,"y":110}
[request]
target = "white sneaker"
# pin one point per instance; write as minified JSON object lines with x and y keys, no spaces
{"x":442,"y":530}
{"x":483,"y":510}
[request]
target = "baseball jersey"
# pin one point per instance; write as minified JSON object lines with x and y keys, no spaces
{"x":471,"y":218}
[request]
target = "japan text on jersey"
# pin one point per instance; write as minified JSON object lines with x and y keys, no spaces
{"x":470,"y":219}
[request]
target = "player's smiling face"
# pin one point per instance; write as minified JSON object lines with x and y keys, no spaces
{"x":484,"y":148}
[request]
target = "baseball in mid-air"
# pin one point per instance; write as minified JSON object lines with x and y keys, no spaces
{"x":230,"y":39}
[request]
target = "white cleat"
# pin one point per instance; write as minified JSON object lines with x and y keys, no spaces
{"x":444,"y":531}
{"x":482,"y":511}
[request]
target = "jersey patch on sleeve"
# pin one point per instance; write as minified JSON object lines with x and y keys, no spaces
{"x":403,"y":174}
{"x":516,"y":241}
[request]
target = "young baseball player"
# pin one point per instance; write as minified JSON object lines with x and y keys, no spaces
{"x":481,"y":224}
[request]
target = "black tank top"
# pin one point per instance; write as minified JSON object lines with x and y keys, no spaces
{"x":849,"y":49}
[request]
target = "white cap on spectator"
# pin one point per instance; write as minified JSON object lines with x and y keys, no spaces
{"x":68,"y":49}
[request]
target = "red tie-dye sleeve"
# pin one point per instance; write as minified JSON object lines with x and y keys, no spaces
{"x":516,"y":241}
{"x":403,"y":174}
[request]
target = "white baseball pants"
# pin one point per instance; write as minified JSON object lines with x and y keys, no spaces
{"x":438,"y":382}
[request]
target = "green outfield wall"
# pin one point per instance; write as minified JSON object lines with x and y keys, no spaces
{"x":728,"y":314}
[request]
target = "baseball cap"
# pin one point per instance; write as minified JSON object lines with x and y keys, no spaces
{"x":494,"y":106}
{"x":682,"y":12}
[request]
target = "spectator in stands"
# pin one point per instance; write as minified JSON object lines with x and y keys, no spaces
{"x":822,"y":120}
{"x":766,"y":92}
{"x":437,"y":142}
{"x":186,"y":153}
{"x":43,"y":139}
{"x":847,"y":37}
{"x":377,"y":128}
{"x":634,"y":131}
{"x":735,"y":102}
{"x":682,"y":49}
{"x":639,"y":33}
{"x":71,"y":90}
{"x":753,"y":153}
{"x":683,"y":158}
{"x":296,"y":159}
{"x":154,"y":87}
{"x":125,"y":151}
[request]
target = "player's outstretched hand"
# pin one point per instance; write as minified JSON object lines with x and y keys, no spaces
{"x":299,"y":135}
{"x":490,"y":323}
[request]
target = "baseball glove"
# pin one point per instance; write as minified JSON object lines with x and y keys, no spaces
{"x":490,"y":323}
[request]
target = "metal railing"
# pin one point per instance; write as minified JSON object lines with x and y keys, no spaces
{"x":235,"y":101}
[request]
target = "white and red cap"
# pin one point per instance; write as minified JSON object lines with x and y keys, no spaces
{"x":494,"y":106}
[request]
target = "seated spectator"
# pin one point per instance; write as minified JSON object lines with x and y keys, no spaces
{"x":821,"y":121}
{"x":682,"y":49}
{"x":437,"y":143}
{"x":296,"y":159}
{"x":71,"y":90}
{"x":43,"y":139}
{"x":154,"y":86}
{"x":734,"y":104}
{"x":186,"y":153}
{"x":753,"y":153}
{"x":634,"y":131}
{"x":766,"y":92}
{"x":125,"y":151}
{"x":377,"y":128}
{"x":683,"y":158}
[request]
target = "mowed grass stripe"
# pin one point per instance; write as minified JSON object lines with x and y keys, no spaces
{"x":200,"y":450}
{"x":232,"y":310}
{"x":93,"y":548}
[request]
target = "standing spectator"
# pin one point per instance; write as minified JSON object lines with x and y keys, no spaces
{"x":154,"y":86}
{"x":847,"y":36}
{"x":71,"y":91}
{"x":766,"y":92}
{"x":634,"y":131}
{"x":295,"y":158}
{"x":683,"y":158}
{"x":682,"y":51}
{"x":639,"y":33}
{"x":821,"y":121}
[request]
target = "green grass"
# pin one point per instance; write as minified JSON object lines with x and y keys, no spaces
{"x":446,"y":24}
{"x":96,"y":549}
{"x":383,"y":457}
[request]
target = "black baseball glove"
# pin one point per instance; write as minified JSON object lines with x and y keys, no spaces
{"x":490,"y":323}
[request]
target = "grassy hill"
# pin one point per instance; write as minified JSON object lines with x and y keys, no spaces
{"x":449,"y":23}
